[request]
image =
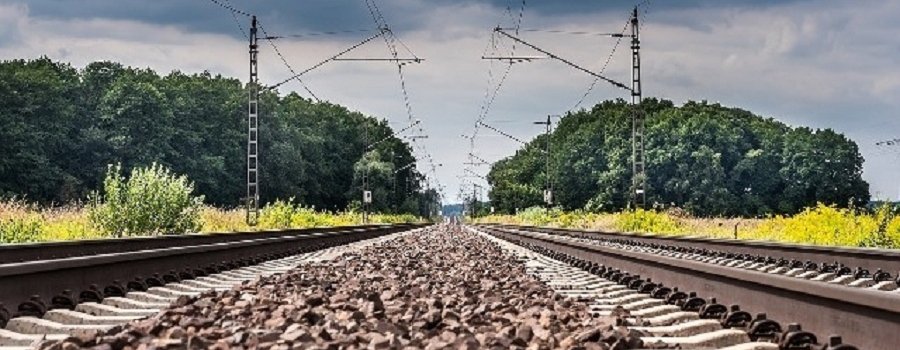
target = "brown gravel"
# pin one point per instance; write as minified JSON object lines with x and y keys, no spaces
{"x":443,"y":288}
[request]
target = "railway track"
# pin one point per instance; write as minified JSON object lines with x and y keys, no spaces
{"x":440,"y":287}
{"x":436,"y":288}
{"x":704,"y":290}
{"x":51,"y":291}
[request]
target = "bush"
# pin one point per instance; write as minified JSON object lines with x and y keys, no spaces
{"x":153,"y":200}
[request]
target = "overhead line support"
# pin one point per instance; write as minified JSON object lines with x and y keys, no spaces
{"x":563,"y":60}
{"x":332,"y":58}
{"x":639,"y":176}
{"x":252,"y":199}
{"x":548,"y":186}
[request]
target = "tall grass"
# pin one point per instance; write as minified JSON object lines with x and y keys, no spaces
{"x":287,"y":214}
{"x":819,"y":225}
{"x":153,"y":200}
{"x":24,"y":222}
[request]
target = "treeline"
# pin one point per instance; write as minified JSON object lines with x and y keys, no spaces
{"x":705,"y":158}
{"x":60,"y":127}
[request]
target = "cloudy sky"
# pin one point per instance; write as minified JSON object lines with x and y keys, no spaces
{"x":824,"y":64}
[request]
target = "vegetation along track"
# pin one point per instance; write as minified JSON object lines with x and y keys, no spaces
{"x":788,"y":283}
{"x":37,"y":280}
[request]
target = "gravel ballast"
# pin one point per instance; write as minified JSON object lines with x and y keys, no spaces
{"x":437,"y":288}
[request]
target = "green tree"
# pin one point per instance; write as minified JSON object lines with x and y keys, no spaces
{"x":35,"y":125}
{"x":706,"y":158}
{"x":61,"y":127}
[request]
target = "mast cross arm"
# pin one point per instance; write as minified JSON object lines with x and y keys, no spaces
{"x":563,"y":60}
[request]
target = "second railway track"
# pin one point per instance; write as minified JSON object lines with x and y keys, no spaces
{"x":829,"y":291}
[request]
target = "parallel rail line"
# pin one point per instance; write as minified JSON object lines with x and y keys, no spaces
{"x":35,"y":278}
{"x":870,"y":259}
{"x":827,"y":298}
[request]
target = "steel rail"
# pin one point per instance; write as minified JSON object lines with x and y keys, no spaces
{"x":871,"y":259}
{"x":865,"y":318}
{"x":10,"y":253}
{"x":30,"y":288}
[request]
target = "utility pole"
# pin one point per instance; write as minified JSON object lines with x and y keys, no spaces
{"x":548,"y":183}
{"x":474,"y":200}
{"x":367,"y":195}
{"x":253,"y":132}
{"x":639,"y":176}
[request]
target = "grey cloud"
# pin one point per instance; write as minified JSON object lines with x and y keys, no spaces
{"x":803,"y":62}
{"x":291,"y":16}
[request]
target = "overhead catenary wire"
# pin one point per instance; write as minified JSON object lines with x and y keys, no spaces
{"x":234,"y":13}
{"x":645,"y":6}
{"x":503,"y":133}
{"x":314,"y":34}
{"x":491,"y":90}
{"x":382,"y":29}
{"x":240,"y":26}
{"x":479,"y":158}
{"x":489,"y":98}
{"x":563,"y":60}
{"x":323,"y":62}
{"x":385,"y":139}
{"x":470,"y":171}
{"x":602,"y":69}
{"x":226,"y":5}
{"x":488,"y":103}
{"x":391,"y":41}
{"x":377,"y":12}
{"x":285,"y":62}
{"x":571,"y":32}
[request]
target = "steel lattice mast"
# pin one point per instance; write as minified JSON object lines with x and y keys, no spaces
{"x":253,"y":132}
{"x":639,"y":176}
